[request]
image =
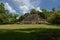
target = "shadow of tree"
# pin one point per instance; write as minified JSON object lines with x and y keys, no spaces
{"x":38,"y":34}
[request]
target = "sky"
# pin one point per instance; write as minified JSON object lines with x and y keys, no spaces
{"x":24,"y":6}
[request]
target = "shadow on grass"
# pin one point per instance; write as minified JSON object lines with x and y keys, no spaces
{"x":30,"y":34}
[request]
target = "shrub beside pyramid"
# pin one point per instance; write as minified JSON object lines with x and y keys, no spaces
{"x":33,"y":19}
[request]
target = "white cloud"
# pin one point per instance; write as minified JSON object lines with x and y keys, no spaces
{"x":17,"y":0}
{"x":26,"y":5}
{"x":8,"y":7}
{"x":38,"y":8}
{"x":24,"y":8}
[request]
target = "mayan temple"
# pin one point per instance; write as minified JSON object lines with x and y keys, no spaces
{"x":33,"y":19}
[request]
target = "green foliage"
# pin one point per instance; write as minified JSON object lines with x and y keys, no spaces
{"x":33,"y":11}
{"x":53,"y":10}
{"x":15,"y":16}
{"x":45,"y":13}
{"x":26,"y":14}
{"x":6,"y":17}
{"x":54,"y":18}
{"x":23,"y":16}
{"x":2,"y":9}
{"x":41,"y":14}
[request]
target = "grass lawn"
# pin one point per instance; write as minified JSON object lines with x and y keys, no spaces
{"x":28,"y":26}
{"x":29,"y":32}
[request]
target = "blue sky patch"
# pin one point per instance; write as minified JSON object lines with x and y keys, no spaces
{"x":23,"y":6}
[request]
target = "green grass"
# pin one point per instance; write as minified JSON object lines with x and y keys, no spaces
{"x":28,"y":26}
{"x":29,"y":32}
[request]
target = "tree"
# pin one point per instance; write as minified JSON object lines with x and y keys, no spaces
{"x":15,"y":17}
{"x":54,"y":18}
{"x":33,"y":11}
{"x":21,"y":18}
{"x":2,"y":13}
{"x":53,"y":10}
{"x":2,"y":9}
{"x":6,"y":17}
{"x":45,"y":13}
{"x":26,"y":14}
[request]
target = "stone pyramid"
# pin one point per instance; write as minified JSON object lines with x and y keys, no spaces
{"x":33,"y":19}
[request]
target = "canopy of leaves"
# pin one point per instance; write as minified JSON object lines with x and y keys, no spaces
{"x":6,"y":17}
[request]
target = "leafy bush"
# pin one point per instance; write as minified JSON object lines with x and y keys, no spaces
{"x":54,"y":18}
